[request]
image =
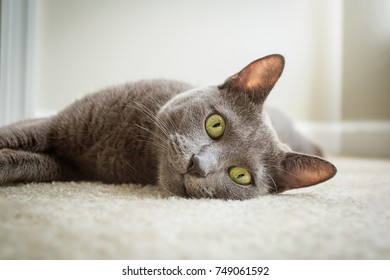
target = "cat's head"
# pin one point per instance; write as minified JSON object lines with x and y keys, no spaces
{"x":218,"y":142}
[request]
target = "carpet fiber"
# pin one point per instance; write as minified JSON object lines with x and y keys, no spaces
{"x":347,"y":217}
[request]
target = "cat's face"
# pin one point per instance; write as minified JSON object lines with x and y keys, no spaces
{"x":220,"y":143}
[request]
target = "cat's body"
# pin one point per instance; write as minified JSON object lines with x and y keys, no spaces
{"x":105,"y":136}
{"x":156,"y":132}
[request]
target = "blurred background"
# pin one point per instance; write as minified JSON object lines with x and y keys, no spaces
{"x":336,"y":84}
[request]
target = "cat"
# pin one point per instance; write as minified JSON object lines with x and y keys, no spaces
{"x":212,"y":142}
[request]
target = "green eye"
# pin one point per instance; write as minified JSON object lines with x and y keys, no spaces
{"x":215,"y":126}
{"x":240,"y":175}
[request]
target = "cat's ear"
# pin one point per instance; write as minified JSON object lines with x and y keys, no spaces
{"x":300,"y":170}
{"x":257,"y":78}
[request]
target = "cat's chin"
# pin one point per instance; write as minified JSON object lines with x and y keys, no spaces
{"x":179,"y":190}
{"x":173,"y":183}
{"x":181,"y":185}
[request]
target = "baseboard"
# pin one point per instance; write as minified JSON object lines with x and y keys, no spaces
{"x":360,"y":138}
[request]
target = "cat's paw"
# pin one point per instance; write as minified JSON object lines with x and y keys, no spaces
{"x":2,"y":142}
{"x":3,"y":168}
{"x":6,"y":158}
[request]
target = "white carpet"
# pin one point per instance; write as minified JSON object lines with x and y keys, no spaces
{"x":345,"y":218}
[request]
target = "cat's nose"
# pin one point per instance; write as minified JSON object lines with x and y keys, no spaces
{"x":196,"y":167}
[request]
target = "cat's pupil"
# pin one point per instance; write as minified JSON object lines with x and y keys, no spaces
{"x":240,"y":176}
{"x":217,"y":125}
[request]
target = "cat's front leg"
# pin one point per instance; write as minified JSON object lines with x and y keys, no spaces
{"x":30,"y":135}
{"x":25,"y":166}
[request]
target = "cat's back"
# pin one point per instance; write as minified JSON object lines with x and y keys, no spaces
{"x":115,"y":105}
{"x":104,"y":131}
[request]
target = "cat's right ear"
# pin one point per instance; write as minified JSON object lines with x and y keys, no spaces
{"x":257,"y":78}
{"x":300,"y":170}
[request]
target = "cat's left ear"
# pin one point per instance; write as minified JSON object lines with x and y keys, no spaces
{"x":300,"y":170}
{"x":257,"y":78}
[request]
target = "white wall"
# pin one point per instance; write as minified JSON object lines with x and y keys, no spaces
{"x":366,"y":78}
{"x":89,"y":44}
{"x":366,"y":67}
{"x":335,"y":84}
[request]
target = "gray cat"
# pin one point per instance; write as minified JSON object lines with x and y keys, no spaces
{"x":215,"y":141}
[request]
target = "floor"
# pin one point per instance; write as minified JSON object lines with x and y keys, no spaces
{"x":347,"y":217}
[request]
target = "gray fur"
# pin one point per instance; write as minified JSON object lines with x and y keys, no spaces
{"x":152,"y":132}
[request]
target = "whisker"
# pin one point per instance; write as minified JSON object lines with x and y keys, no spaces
{"x":170,"y":120}
{"x":153,"y":133}
{"x":165,"y":189}
{"x":208,"y":192}
{"x":151,"y":117}
{"x":273,"y":181}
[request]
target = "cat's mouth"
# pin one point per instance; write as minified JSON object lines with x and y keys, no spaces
{"x":182,"y":189}
{"x":177,"y":184}
{"x":186,"y":193}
